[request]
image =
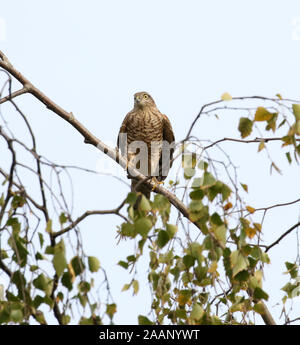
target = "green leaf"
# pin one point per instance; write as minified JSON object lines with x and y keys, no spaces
{"x":196,"y":251}
{"x":16,"y":315}
{"x":171,"y":230}
{"x":84,"y":287}
{"x":66,"y":319}
{"x":143,"y":226}
{"x":160,"y":202}
{"x":111,"y":309}
{"x":59,"y":259}
{"x":18,"y":246}
{"x":144,"y":204}
{"x":39,"y":316}
{"x":208,"y":179}
{"x":78,"y":265}
{"x":260,"y":294}
{"x":162,"y":238}
{"x":216,"y":219}
{"x":19,"y":280}
{"x":292,"y":269}
{"x":272,"y":122}
{"x":38,"y":300}
{"x":259,"y":308}
{"x":197,"y":194}
{"x":195,"y":205}
{"x":63,"y":218}
{"x":86,"y":321}
{"x":220,"y":233}
{"x":49,"y":226}
{"x":262,"y":114}
{"x":2,"y":200}
{"x":41,"y":239}
{"x":14,"y":223}
{"x":123,"y":264}
{"x":188,"y":260}
{"x":200,"y":273}
{"x":245,"y":127}
{"x":238,"y":262}
{"x":131,"y":258}
{"x":43,"y":283}
{"x":94,"y":263}
{"x":296,"y":111}
{"x":49,"y":250}
{"x":197,"y":312}
{"x":67,"y":281}
{"x":131,"y":199}
{"x":189,"y":160}
{"x":18,"y":201}
{"x":127,"y":229}
{"x":225,"y":191}
{"x":143,"y":320}
{"x":288,"y":156}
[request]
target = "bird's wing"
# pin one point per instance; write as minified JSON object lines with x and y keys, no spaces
{"x":123,"y":129}
{"x":168,"y":136}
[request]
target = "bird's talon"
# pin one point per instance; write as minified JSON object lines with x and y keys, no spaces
{"x":156,"y":183}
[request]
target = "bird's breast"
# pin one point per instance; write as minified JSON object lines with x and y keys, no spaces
{"x":145,"y":126}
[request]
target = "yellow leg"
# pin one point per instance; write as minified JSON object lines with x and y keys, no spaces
{"x":156,"y":183}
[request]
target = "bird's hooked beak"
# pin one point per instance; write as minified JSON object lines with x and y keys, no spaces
{"x":137,"y":99}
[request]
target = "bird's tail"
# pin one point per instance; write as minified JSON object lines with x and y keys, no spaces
{"x":140,"y":188}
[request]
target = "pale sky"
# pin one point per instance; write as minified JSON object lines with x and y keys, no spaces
{"x":91,"y":57}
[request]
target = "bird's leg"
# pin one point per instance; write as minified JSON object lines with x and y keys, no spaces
{"x":156,"y":182}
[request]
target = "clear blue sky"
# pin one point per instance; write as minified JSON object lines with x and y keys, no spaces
{"x":90,"y":57}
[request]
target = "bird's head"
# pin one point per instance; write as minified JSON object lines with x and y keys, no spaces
{"x":143,"y":99}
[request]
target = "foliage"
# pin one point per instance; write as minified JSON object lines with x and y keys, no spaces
{"x":207,"y":269}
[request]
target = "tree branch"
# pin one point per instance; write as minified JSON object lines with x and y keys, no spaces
{"x":85,"y":215}
{"x":282,"y":236}
{"x":256,"y":140}
{"x":13,"y":95}
{"x":114,"y":154}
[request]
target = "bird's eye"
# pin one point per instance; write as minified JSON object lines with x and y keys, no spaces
{"x":145,"y":96}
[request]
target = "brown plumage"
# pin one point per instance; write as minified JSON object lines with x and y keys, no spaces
{"x":147,"y":145}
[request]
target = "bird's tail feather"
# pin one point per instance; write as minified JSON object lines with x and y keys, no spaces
{"x":140,"y":188}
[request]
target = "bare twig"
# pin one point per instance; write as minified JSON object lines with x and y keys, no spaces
{"x":282,"y":236}
{"x":87,"y":214}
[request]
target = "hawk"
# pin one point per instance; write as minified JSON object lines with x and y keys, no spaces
{"x":147,"y":140}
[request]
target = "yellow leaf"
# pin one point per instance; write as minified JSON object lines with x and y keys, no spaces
{"x":226,"y":96}
{"x":257,"y":226}
{"x":135,"y":285}
{"x":278,"y":95}
{"x":250,"y":232}
{"x":250,"y":209}
{"x":71,"y":271}
{"x":126,"y":287}
{"x":296,"y":111}
{"x":183,"y":298}
{"x":297,"y":127}
{"x":213,"y":267}
{"x":262,"y":114}
{"x":228,"y":206}
{"x":261,"y":146}
{"x":245,"y":187}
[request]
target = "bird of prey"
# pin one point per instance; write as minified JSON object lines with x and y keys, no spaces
{"x":147,"y":140}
